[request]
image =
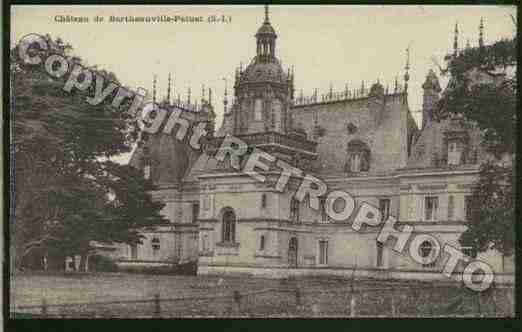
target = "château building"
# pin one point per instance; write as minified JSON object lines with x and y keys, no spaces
{"x":364,"y":142}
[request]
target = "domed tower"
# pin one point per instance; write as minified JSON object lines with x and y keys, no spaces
{"x":263,"y":91}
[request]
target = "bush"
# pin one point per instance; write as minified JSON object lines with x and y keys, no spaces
{"x":102,"y":263}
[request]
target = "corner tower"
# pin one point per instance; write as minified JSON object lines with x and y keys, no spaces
{"x":263,"y":91}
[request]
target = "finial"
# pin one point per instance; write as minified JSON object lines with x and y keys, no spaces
{"x":188,"y":95}
{"x":407,"y":68}
{"x":396,"y":84}
{"x":154,"y":89}
{"x":456,"y":40}
{"x":202,"y":93}
{"x":331,"y":90}
{"x":168,"y":90}
{"x":210,"y":96}
{"x":481,"y":32}
{"x":266,"y":14}
{"x":362,"y":88}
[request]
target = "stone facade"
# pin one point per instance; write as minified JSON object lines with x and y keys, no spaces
{"x":365,"y":143}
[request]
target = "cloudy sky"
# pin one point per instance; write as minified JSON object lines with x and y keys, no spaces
{"x":334,"y":45}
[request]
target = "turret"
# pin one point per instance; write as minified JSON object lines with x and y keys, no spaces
{"x":430,"y":97}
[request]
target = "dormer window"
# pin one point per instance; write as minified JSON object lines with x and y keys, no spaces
{"x":454,"y":153}
{"x":456,"y":140}
{"x":358,"y":157}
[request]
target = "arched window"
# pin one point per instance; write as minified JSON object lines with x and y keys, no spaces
{"x":229,"y":226}
{"x":358,"y":157}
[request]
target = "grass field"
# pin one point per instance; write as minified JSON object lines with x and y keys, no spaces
{"x":220,"y":296}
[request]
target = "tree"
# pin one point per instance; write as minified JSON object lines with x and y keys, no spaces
{"x":482,"y":89}
{"x":65,"y":187}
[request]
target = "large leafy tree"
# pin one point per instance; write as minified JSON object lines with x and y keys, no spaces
{"x":66,"y":190}
{"x":482,"y":89}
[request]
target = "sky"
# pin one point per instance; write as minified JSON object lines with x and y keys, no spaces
{"x":327,"y":45}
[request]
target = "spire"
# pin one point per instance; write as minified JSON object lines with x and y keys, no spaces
{"x":481,"y":32}
{"x":456,"y":40}
{"x":168,"y":90}
{"x":396,"y":84}
{"x":210,"y":96}
{"x":202,"y":93}
{"x":154,"y":89}
{"x":188,"y":95}
{"x":266,"y":14}
{"x":362,"y":88}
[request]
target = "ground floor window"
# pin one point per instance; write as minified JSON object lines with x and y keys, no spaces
{"x":380,"y":248}
{"x":134,"y":251}
{"x":155,"y":245}
{"x":323,"y":252}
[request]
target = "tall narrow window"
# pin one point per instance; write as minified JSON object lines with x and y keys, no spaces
{"x":451,"y":207}
{"x":146,"y":172}
{"x":262,"y":243}
{"x":322,"y":209}
{"x":468,"y":207}
{"x":155,"y":245}
{"x":263,"y":200}
{"x":195,"y":212}
{"x":204,"y":243}
{"x":294,"y":210}
{"x":384,"y":207}
{"x":355,"y":163}
{"x":258,"y":110}
{"x":431,"y":206}
{"x":323,"y":252}
{"x":229,"y":226}
{"x":380,"y":248}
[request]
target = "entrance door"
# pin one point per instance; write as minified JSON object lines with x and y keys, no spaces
{"x":292,"y":252}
